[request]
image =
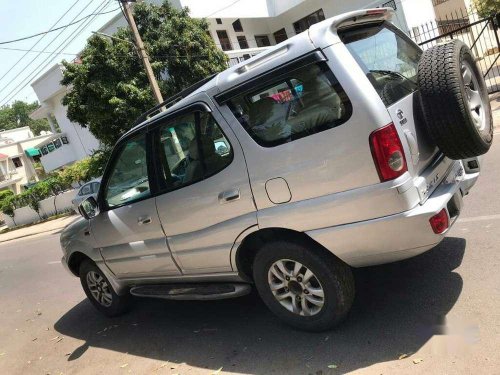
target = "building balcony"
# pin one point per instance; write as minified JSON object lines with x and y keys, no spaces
{"x":238,"y":55}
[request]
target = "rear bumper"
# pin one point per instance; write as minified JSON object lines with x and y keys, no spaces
{"x":400,"y":236}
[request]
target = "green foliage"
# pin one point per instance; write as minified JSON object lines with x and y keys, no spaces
{"x":98,"y":161}
{"x":8,"y":205}
{"x":4,"y":194}
{"x":487,"y":8}
{"x":110,"y":88}
{"x":5,"y":202}
{"x":17,"y":115}
{"x":37,"y":193}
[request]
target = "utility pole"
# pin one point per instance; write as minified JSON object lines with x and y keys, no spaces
{"x":142,"y":52}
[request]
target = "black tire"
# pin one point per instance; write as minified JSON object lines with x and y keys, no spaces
{"x":444,"y":101}
{"x":334,"y":276}
{"x":119,"y":304}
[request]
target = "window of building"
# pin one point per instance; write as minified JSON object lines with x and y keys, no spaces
{"x":237,"y":26}
{"x":242,"y":41}
{"x":17,"y":162}
{"x":262,"y":41}
{"x":392,"y":4}
{"x":129,"y":180}
{"x":225,"y":43}
{"x":301,"y":103}
{"x":280,"y":35}
{"x":192,"y":148}
{"x":304,"y":23}
{"x":219,"y":21}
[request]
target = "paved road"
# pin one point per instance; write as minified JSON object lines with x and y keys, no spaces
{"x":442,"y":307}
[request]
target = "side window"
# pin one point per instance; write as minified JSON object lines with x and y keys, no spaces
{"x":128,"y":180}
{"x":303,"y":102}
{"x":192,"y":147}
{"x":95,"y":187}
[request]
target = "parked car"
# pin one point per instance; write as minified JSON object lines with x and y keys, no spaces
{"x":345,"y":146}
{"x":90,"y":189}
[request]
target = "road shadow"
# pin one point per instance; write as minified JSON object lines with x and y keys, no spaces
{"x":398,"y":308}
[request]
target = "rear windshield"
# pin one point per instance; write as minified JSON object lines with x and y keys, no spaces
{"x":388,"y":58}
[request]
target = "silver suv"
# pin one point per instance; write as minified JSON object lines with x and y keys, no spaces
{"x":344,"y":146}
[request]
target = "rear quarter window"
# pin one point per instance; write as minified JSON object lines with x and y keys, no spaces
{"x":303,"y":102}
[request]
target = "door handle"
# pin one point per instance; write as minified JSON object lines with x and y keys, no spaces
{"x":144,"y":220}
{"x":229,"y":196}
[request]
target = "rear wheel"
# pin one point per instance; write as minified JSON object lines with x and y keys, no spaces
{"x":99,"y":291}
{"x":304,"y":286}
{"x":454,"y":101}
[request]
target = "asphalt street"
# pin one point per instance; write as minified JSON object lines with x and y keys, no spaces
{"x":441,"y":310}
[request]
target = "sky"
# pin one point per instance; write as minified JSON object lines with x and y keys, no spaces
{"x":27,"y":17}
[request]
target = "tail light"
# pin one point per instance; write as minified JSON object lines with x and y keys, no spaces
{"x":440,"y":222}
{"x":388,"y":153}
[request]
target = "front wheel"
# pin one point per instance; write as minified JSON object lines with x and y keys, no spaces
{"x":99,"y":291}
{"x":303,"y":285}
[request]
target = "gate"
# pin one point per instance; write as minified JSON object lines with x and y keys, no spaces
{"x":481,"y":35}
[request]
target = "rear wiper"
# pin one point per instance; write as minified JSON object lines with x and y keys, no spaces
{"x":392,"y":74}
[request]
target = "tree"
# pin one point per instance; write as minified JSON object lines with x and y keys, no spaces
{"x":487,"y":8}
{"x":17,"y":115}
{"x":109,"y":87}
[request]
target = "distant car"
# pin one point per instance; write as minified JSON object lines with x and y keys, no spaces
{"x":90,"y":189}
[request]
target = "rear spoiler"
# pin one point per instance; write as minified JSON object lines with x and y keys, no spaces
{"x":362,"y":16}
{"x":324,"y":33}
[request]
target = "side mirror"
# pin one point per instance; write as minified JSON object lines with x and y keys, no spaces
{"x":89,"y":208}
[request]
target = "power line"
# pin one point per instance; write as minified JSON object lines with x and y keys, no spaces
{"x":60,"y":27}
{"x":34,"y":51}
{"x":223,"y":8}
{"x":44,"y":49}
{"x":38,"y":41}
{"x":49,"y":59}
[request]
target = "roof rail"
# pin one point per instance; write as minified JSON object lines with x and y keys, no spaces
{"x":173,"y":99}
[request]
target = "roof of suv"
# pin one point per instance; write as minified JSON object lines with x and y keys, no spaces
{"x":276,"y":55}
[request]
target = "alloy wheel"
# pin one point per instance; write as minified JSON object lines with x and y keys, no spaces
{"x":296,"y":287}
{"x":473,"y":96}
{"x":99,"y":289}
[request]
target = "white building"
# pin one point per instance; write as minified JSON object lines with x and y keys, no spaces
{"x":240,"y":28}
{"x":246,"y":27}
{"x":18,"y":152}
{"x":70,"y":142}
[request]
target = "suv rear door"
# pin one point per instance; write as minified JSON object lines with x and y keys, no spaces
{"x":205,"y":200}
{"x":390,"y":59}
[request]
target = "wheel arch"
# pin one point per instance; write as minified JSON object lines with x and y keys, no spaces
{"x":75,"y":260}
{"x":253,"y":242}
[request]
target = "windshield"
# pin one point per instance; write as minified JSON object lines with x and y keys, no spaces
{"x":388,"y":58}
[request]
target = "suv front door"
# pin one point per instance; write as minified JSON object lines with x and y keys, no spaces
{"x":128,"y":229}
{"x":207,"y":200}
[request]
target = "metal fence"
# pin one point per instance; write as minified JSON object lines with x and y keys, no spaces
{"x":482,"y":35}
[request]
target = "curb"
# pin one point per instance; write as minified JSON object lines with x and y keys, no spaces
{"x":31,"y":234}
